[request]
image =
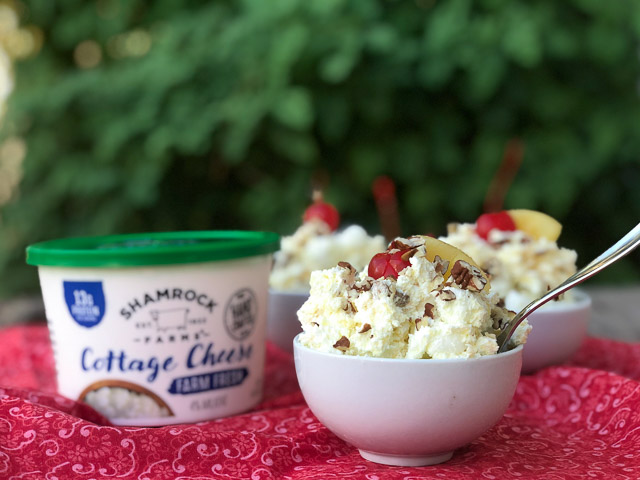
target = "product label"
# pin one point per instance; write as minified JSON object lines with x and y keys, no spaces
{"x":85,"y":301}
{"x":158,"y":347}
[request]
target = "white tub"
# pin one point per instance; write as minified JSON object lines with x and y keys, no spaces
{"x":157,"y":329}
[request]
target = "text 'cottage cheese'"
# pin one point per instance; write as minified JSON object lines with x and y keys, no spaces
{"x":431,"y":309}
{"x":157,"y":329}
{"x":313,"y":247}
{"x":522,"y":268}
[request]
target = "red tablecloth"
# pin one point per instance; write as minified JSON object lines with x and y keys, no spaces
{"x":578,"y":421}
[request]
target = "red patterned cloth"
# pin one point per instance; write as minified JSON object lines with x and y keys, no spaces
{"x":569,"y":422}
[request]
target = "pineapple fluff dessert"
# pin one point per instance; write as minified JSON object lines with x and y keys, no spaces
{"x":316,"y":245}
{"x":518,"y":249}
{"x":420,"y":299}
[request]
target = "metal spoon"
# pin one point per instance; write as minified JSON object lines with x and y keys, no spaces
{"x":624,"y":246}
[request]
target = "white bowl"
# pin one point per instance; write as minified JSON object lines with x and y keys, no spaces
{"x":558,"y":330}
{"x":282,"y":318}
{"x":407,"y":412}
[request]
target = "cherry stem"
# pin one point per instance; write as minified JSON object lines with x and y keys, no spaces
{"x":317,"y":195}
{"x":511,"y":160}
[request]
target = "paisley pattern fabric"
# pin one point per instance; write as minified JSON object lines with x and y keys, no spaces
{"x":581,"y":420}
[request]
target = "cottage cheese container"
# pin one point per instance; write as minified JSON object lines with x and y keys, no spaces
{"x":158,"y":329}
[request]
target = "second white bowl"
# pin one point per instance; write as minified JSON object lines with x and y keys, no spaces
{"x":558,"y":330}
{"x":282,"y":318}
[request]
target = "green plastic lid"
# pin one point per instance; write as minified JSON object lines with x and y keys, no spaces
{"x":143,"y":249}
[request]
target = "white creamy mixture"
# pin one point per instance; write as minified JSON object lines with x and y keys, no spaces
{"x":314,"y":247}
{"x":521,"y":268}
{"x":117,"y":402}
{"x":419,"y":315}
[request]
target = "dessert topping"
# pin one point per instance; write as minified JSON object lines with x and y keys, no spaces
{"x":365,"y":328}
{"x":322,"y":210}
{"x":428,"y":310}
{"x":489,"y":221}
{"x":446,"y":295}
{"x":388,"y":264}
{"x":468,"y":276}
{"x":343,"y":344}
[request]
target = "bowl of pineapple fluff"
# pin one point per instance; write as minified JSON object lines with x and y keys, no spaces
{"x":400,"y":359}
{"x":519,"y":251}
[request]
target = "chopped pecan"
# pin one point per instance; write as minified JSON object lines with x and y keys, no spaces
{"x":406,"y":243}
{"x":446,"y":295}
{"x":352,"y":272}
{"x":343,"y":344}
{"x":349,"y":307}
{"x":400,"y":299}
{"x":380,"y":289}
{"x":408,"y":254}
{"x":418,"y":323}
{"x":399,"y":244}
{"x":468,"y":276}
{"x":441,"y":265}
{"x":365,"y":328}
{"x":347,"y":265}
{"x":428,"y":310}
{"x":363,"y":286}
{"x":415,"y":241}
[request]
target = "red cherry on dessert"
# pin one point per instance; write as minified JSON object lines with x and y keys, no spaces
{"x":323,"y":211}
{"x":384,"y":265}
{"x":489,"y":221}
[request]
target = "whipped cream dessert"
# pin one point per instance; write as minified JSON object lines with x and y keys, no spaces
{"x":315,"y":246}
{"x":415,"y":308}
{"x":521,"y":267}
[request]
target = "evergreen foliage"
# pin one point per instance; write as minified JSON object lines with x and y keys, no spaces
{"x":240,"y":105}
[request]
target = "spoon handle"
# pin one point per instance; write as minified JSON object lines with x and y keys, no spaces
{"x":621,"y":248}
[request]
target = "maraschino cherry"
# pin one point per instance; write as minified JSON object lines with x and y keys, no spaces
{"x":489,"y":221}
{"x":387,"y":264}
{"x":323,"y":211}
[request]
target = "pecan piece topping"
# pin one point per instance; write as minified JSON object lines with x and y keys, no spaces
{"x":468,"y":276}
{"x":441,"y":265}
{"x":408,"y":254}
{"x":428,"y":310}
{"x":352,"y":272}
{"x":400,"y":299}
{"x":349,"y":307}
{"x":363,"y":286}
{"x":446,"y":295}
{"x":406,"y":243}
{"x":343,"y":344}
{"x":380,"y":290}
{"x":365,"y":328}
{"x":418,"y":324}
{"x":399,"y":244}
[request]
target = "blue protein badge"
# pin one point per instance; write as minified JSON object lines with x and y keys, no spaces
{"x":85,"y":301}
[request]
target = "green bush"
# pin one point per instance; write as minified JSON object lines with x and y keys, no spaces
{"x":238,"y":107}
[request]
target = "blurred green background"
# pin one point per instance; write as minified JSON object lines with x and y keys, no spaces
{"x":131,"y":116}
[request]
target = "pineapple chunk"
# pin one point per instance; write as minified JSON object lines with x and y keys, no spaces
{"x":536,"y":224}
{"x":451,"y":254}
